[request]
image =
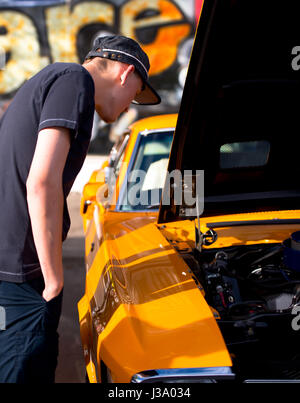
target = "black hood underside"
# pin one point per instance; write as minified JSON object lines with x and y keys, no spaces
{"x":238,"y":120}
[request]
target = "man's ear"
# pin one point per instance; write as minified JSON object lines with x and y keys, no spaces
{"x":126,"y":73}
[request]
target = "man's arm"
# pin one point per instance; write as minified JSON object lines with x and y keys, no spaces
{"x":45,"y":203}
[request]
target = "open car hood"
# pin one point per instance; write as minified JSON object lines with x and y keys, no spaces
{"x":238,"y":119}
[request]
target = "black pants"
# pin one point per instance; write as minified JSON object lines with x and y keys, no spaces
{"x":29,"y":342}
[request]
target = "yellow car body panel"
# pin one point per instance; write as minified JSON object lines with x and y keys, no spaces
{"x":153,"y":308}
{"x":245,"y":234}
{"x":165,"y":307}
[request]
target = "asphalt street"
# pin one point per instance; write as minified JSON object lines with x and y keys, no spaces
{"x":70,"y":368}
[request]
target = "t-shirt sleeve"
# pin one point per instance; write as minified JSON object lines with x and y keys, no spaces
{"x":66,"y":102}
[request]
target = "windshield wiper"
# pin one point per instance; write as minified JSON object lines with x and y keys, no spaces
{"x":153,"y":206}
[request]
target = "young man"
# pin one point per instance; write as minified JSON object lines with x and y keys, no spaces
{"x":44,"y":138}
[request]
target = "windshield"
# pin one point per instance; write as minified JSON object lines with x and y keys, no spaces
{"x":146,"y":176}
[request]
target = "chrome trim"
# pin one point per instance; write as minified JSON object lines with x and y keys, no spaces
{"x":272,"y":381}
{"x":146,"y":132}
{"x":183,"y":374}
{"x":150,"y":210}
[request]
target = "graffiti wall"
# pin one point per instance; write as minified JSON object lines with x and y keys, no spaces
{"x":34,"y":33}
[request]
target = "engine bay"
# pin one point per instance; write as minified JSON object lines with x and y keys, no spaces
{"x":255,"y":298}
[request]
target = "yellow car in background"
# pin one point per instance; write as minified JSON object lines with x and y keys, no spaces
{"x":193,"y":262}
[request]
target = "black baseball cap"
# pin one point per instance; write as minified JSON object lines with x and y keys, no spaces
{"x":127,"y":50}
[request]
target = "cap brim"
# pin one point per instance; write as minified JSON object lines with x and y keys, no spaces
{"x":147,"y":97}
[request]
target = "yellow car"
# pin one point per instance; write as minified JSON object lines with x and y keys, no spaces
{"x":207,"y":288}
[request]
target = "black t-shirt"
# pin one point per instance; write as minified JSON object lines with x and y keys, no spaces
{"x":62,"y":94}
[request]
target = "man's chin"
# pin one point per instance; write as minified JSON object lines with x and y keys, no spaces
{"x":109,"y":120}
{"x":106,"y":117}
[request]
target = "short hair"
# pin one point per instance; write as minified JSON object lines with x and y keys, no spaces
{"x":101,"y":62}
